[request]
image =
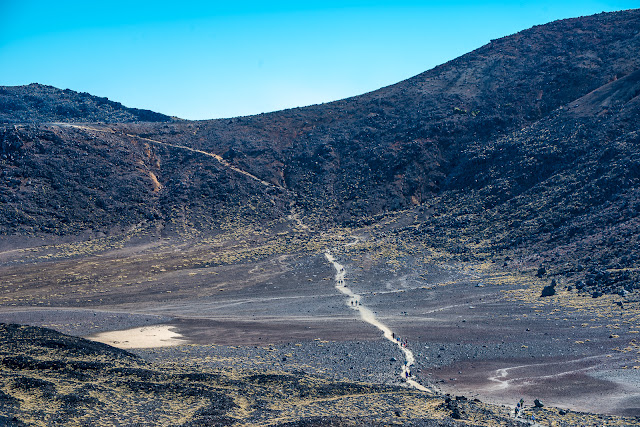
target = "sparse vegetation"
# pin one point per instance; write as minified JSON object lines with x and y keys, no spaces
{"x":507,"y":179}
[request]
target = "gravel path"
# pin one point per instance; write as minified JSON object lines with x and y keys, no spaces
{"x":368,"y":316}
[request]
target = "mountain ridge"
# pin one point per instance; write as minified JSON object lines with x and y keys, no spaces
{"x":42,"y":103}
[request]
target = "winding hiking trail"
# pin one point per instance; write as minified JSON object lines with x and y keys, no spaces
{"x":368,"y":316}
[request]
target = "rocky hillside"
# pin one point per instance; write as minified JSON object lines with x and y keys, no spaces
{"x":525,"y":148}
{"x":38,"y":103}
{"x":64,"y":180}
{"x":400,"y":145}
{"x":564,"y":191}
{"x":48,"y":378}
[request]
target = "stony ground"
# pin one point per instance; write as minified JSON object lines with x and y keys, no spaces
{"x":250,"y":302}
{"x":52,"y":379}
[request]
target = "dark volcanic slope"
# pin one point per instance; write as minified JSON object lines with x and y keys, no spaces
{"x":399,"y":146}
{"x":567,"y":187}
{"x":65,"y":180}
{"x":528,"y":144}
{"x":41,"y":103}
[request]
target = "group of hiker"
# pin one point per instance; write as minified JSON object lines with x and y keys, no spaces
{"x":519,"y":411}
{"x":402,"y":342}
{"x":519,"y":408}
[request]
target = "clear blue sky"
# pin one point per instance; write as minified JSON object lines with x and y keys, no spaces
{"x":208,"y":59}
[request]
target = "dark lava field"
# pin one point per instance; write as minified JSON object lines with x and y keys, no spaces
{"x":483,"y":220}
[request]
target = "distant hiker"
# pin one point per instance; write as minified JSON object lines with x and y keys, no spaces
{"x":519,"y":408}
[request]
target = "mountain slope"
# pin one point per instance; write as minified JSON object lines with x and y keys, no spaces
{"x":396,"y":147}
{"x":64,"y":180}
{"x":564,"y":191}
{"x":528,"y":144}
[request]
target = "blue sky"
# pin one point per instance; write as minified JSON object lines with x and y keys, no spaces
{"x":208,"y":59}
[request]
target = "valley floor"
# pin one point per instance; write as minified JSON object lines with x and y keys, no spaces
{"x":249,"y":300}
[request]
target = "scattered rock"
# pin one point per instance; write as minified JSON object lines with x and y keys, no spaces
{"x":549,"y":290}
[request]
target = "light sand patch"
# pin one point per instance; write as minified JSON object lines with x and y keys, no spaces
{"x":145,"y":337}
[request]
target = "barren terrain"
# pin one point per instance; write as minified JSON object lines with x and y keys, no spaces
{"x":476,"y":329}
{"x":475,"y":226}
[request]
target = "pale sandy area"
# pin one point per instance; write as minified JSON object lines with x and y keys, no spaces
{"x":145,"y":337}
